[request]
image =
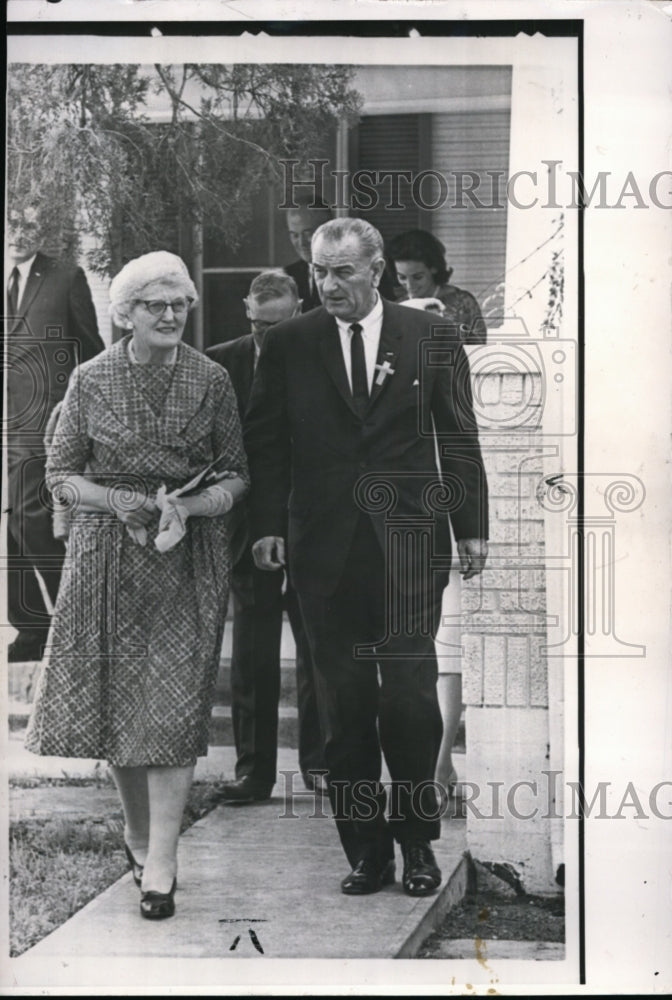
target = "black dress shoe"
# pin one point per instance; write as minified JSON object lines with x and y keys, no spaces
{"x":244,"y":790}
{"x":315,"y":782}
{"x":26,"y":647}
{"x":136,"y":867}
{"x":158,"y":905}
{"x":367,"y":877}
{"x":422,"y":875}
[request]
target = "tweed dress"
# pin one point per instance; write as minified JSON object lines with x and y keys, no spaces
{"x":137,"y":633}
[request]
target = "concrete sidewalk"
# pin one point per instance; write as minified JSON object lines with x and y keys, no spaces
{"x":256,"y":880}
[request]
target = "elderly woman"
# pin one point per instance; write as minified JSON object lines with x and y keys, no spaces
{"x":420,"y":262}
{"x":140,"y":613}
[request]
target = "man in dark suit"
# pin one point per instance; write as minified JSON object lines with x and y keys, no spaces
{"x":51,"y":327}
{"x":348,"y":407}
{"x":302,"y":222}
{"x":258,"y":599}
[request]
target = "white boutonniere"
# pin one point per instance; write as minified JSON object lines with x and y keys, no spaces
{"x":384,"y":369}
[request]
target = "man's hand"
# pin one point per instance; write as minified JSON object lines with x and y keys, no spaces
{"x":472,"y":552}
{"x":269,"y":552}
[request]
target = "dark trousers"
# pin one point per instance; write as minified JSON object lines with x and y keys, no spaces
{"x":258,"y":605}
{"x":31,"y":546}
{"x":360,"y":714}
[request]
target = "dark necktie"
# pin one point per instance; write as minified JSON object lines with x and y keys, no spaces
{"x":360,"y":383}
{"x":13,"y":292}
{"x":314,"y":296}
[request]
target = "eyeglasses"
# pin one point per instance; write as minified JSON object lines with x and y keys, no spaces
{"x":157,"y":307}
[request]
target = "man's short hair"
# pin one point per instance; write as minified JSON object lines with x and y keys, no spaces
{"x":318,"y":211}
{"x":273,"y":285}
{"x":308,"y":201}
{"x":370,"y":240}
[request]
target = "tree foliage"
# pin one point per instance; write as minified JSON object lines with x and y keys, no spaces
{"x":84,"y":140}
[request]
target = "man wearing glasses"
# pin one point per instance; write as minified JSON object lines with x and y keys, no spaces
{"x":258,"y":598}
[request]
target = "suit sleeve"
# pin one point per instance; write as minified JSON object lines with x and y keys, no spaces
{"x":82,"y":322}
{"x":267,"y":442}
{"x":459,"y":449}
{"x":226,"y":432}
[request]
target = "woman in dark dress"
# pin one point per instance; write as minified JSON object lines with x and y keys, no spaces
{"x":420,"y":262}
{"x":138,"y":623}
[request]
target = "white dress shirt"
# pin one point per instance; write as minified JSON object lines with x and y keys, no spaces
{"x":371,"y":326}
{"x":24,"y":270}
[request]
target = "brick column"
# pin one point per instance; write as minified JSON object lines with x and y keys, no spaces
{"x":525,"y":398}
{"x":505,"y":680}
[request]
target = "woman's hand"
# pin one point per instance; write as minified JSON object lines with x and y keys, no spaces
{"x":173,"y":521}
{"x":134,"y":509}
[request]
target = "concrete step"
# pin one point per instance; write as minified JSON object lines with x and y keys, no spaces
{"x":221,"y":725}
{"x":221,"y":728}
{"x":21,"y":764}
{"x":287,"y":682}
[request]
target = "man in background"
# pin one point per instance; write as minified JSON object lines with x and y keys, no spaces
{"x":301,"y":224}
{"x":50,"y":328}
{"x":258,"y":598}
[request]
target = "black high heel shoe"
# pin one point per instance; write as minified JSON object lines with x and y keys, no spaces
{"x":136,"y":868}
{"x":158,"y":905}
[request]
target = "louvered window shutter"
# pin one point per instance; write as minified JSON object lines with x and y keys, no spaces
{"x":450,"y":143}
{"x":474,"y":237}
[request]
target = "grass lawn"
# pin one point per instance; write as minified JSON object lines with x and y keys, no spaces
{"x":59,"y":863}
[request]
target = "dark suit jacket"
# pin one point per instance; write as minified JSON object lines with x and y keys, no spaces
{"x":311,"y":300}
{"x":54,"y":331}
{"x":237,"y":356}
{"x":308,"y":448}
{"x":299,"y":271}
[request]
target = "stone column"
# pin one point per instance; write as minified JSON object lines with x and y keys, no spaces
{"x":505,"y":684}
{"x":524,"y":394}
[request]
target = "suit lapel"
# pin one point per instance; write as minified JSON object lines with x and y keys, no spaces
{"x":35,"y":279}
{"x":303,"y":282}
{"x":248,"y":368}
{"x":332,"y":357}
{"x":389,"y":349}
{"x":388,"y":353}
